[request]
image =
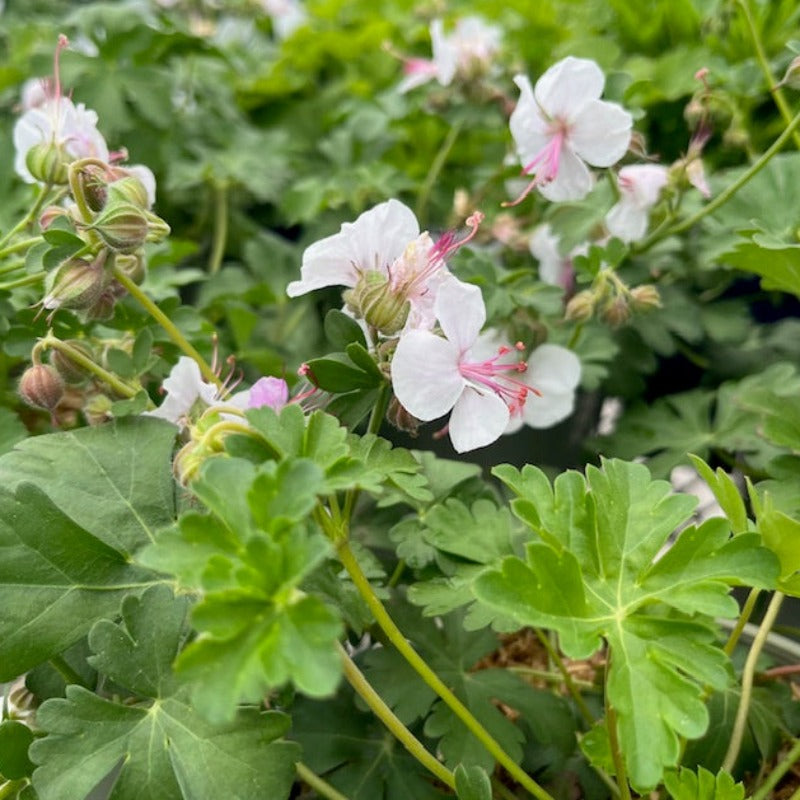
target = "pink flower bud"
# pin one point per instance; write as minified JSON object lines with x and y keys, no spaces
{"x":41,"y":387}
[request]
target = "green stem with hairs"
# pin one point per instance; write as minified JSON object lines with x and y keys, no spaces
{"x":375,"y":702}
{"x":395,"y":636}
{"x":29,"y":217}
{"x":22,"y":244}
{"x":744,"y":618}
{"x":436,"y":167}
{"x":28,"y":280}
{"x":748,"y":673}
{"x":320,"y":786}
{"x":82,"y":360}
{"x":777,"y":93}
{"x":69,"y":675}
{"x":167,"y":324}
{"x":616,"y":753}
{"x":544,"y":675}
{"x":726,"y":194}
{"x":780,"y":769}
{"x":220,"y":239}
{"x":12,"y":267}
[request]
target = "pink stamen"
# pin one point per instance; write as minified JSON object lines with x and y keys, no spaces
{"x":63,"y":44}
{"x":494,"y":376}
{"x":544,"y":165}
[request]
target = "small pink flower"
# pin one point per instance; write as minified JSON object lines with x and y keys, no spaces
{"x":561,"y":125}
{"x":640,"y":186}
{"x":432,"y":375}
{"x":269,"y":391}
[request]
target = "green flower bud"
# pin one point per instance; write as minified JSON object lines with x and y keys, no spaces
{"x":133,"y":265}
{"x":580,"y":307}
{"x":645,"y":297}
{"x":66,"y":367}
{"x":98,"y":409}
{"x":128,"y":189}
{"x":47,"y":162}
{"x":122,"y":226}
{"x":103,"y":307}
{"x":616,"y":311}
{"x":157,"y":230}
{"x":41,"y":387}
{"x":374,"y":301}
{"x":398,"y":417}
{"x":75,"y":284}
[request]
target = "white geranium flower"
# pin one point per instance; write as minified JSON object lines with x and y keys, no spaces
{"x":640,"y":186}
{"x":469,"y":49}
{"x":386,"y":240}
{"x":432,"y":375}
{"x":184,"y":387}
{"x":287,"y":16}
{"x":562,"y":124}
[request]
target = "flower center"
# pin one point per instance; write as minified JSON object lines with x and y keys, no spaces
{"x":544,"y":165}
{"x":494,"y":374}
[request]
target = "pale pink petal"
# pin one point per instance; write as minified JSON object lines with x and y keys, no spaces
{"x":554,"y":371}
{"x":374,"y":241}
{"x":543,"y":245}
{"x":627,"y":221}
{"x":445,"y":54}
{"x":461,"y":312}
{"x":148,"y":180}
{"x":425,"y":374}
{"x":601,"y":132}
{"x":642,"y":183}
{"x":528,"y":126}
{"x":564,"y":89}
{"x":573,"y":181}
{"x":478,"y":419}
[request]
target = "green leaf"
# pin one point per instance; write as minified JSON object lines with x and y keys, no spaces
{"x":11,"y":430}
{"x":777,"y":264}
{"x":726,"y":492}
{"x":56,"y":580}
{"x":472,"y":783}
{"x":164,"y":747}
{"x":704,"y":785}
{"x":337,"y":373}
{"x":356,"y":754}
{"x":593,"y":575}
{"x":246,"y":560}
{"x":341,"y":330}
{"x":15,"y":739}
{"x":121,"y":489}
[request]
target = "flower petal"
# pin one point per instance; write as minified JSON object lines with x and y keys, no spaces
{"x":555,"y":371}
{"x":372,"y":242}
{"x":528,"y":126}
{"x":627,"y":221}
{"x":461,"y":312}
{"x":573,"y":181}
{"x":553,"y":267}
{"x":425,"y":375}
{"x":564,"y":89}
{"x":549,"y":409}
{"x":642,"y":183}
{"x":478,"y":419}
{"x":601,"y":132}
{"x":445,"y":53}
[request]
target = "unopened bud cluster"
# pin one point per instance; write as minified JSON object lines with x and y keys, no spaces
{"x":612,"y":300}
{"x":377,"y":303}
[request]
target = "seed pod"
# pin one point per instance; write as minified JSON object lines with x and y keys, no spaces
{"x":75,"y":284}
{"x":41,"y":387}
{"x":374,"y":301}
{"x":70,"y":371}
{"x":122,"y":226}
{"x":47,"y":162}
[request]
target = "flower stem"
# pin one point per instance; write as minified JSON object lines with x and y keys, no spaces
{"x":166,"y":323}
{"x":616,"y":753}
{"x":23,"y":244}
{"x":780,"y":769}
{"x":777,"y":93}
{"x":436,"y":167}
{"x":12,"y":266}
{"x":396,"y":637}
{"x":220,"y":228}
{"x":11,"y":788}
{"x":365,"y":691}
{"x":82,"y":360}
{"x":727,"y":193}
{"x":320,"y":786}
{"x":744,"y":617}
{"x":29,"y":217}
{"x":26,"y":281}
{"x":747,"y":681}
{"x":67,"y":672}
{"x":577,"y":697}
